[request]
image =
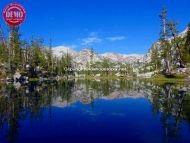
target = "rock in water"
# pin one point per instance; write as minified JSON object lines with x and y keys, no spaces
{"x":17,"y":76}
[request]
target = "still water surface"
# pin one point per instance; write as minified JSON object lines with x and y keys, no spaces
{"x":87,"y":111}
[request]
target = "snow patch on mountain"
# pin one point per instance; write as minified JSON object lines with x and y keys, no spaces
{"x":60,"y":51}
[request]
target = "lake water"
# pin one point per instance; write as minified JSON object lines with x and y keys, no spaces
{"x":95,"y":111}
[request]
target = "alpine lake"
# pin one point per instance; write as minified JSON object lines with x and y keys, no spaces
{"x":95,"y":111}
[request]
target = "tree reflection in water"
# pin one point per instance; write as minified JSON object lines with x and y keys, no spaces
{"x":18,"y":103}
{"x":170,"y":101}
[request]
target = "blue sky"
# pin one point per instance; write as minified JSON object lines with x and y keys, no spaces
{"x":121,"y":26}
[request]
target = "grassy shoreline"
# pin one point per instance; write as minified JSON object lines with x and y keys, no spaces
{"x":152,"y":79}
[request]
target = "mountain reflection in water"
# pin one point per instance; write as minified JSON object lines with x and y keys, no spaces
{"x":95,"y":111}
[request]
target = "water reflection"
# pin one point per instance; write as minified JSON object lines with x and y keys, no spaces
{"x":22,"y":102}
{"x":173,"y":103}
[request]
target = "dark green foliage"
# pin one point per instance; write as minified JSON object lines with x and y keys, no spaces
{"x":15,"y":46}
{"x":91,"y":56}
{"x":155,"y":58}
{"x":3,"y":53}
{"x":64,"y":65}
{"x":186,"y":47}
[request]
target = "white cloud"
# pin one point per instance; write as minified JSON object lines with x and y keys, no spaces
{"x":116,"y":38}
{"x":91,"y":39}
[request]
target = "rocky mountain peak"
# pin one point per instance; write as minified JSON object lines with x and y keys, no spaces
{"x":83,"y":57}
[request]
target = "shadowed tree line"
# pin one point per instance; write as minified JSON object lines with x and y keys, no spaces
{"x":32,"y":57}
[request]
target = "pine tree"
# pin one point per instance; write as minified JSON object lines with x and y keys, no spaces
{"x":106,"y":64}
{"x":155,"y":58}
{"x":188,"y":39}
{"x":165,"y":44}
{"x":3,"y":53}
{"x":16,"y":49}
{"x":68,"y":61}
{"x":177,"y":43}
{"x":50,"y":57}
{"x":163,"y":17}
{"x":186,"y":47}
{"x":64,"y":65}
{"x":35,"y":52}
{"x":91,"y":56}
